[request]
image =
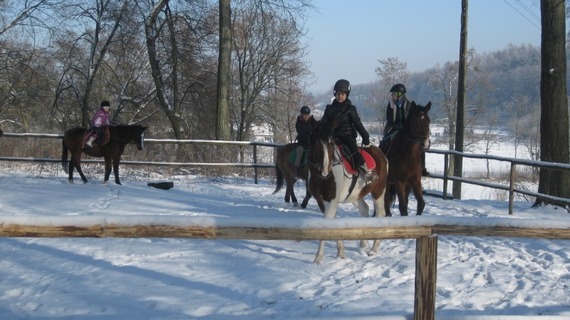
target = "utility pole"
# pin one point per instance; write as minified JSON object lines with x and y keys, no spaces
{"x":460,"y":123}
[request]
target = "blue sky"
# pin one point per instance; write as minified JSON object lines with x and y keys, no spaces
{"x":347,"y":38}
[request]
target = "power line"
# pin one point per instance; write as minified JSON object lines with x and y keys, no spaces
{"x":528,"y":9}
{"x":523,"y":15}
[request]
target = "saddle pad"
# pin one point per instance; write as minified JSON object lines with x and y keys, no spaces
{"x":368,"y":160}
{"x":293,"y":155}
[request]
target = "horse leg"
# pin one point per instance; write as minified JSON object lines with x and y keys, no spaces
{"x":70,"y":167}
{"x":363,"y":210}
{"x":108,"y":169}
{"x":307,"y":196}
{"x":388,"y":200}
{"x":380,"y":212}
{"x":76,"y":162}
{"x":116,"y":169}
{"x":291,"y":192}
{"x":330,"y":213}
{"x":418,"y":194}
{"x":402,"y":198}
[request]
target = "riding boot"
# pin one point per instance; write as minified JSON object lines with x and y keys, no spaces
{"x":368,"y":175}
{"x":89,"y":142}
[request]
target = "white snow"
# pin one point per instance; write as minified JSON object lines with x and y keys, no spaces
{"x":165,"y":278}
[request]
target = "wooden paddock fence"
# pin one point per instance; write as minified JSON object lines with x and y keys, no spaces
{"x":513,"y":187}
{"x":424,"y":229}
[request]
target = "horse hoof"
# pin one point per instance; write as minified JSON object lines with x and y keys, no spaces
{"x":304,"y":205}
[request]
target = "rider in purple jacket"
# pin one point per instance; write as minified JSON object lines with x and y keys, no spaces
{"x":99,"y":121}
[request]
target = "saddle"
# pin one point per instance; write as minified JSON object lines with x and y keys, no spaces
{"x":346,"y":159}
{"x":98,"y":140}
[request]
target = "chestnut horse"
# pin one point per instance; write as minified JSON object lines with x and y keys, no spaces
{"x":284,"y":168}
{"x":120,"y":136}
{"x":332,"y":183}
{"x":404,"y":155}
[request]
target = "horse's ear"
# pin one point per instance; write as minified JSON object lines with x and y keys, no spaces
{"x":428,"y":106}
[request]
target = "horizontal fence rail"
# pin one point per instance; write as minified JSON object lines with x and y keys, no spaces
{"x":424,"y":229}
{"x":277,"y":228}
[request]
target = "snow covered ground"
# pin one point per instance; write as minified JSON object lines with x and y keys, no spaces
{"x":478,"y":278}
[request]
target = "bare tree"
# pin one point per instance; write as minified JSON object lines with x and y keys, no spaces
{"x":267,"y":59}
{"x":182,"y":66}
{"x":390,"y":72}
{"x":85,"y":52}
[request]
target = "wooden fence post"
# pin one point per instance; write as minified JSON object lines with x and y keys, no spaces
{"x":426,"y":274}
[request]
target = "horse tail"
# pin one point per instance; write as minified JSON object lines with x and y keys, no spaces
{"x":64,"y":156}
{"x":279,"y":181}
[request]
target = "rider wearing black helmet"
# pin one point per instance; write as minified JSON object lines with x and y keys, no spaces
{"x":304,"y":126}
{"x":397,"y":110}
{"x":350,"y":121}
{"x":396,"y":114}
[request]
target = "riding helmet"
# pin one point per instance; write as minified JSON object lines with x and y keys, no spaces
{"x":105,"y":103}
{"x":398,"y":87}
{"x":305,"y":110}
{"x":342,"y":85}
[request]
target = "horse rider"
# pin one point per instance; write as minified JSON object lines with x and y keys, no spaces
{"x":396,"y":113}
{"x":304,"y":126}
{"x":101,"y":120}
{"x":349,"y":124}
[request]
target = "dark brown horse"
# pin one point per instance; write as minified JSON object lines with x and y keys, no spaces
{"x":404,"y":156}
{"x":284,"y":170}
{"x":331,"y":183}
{"x":120,"y":136}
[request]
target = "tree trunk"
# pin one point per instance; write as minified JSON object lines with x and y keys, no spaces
{"x":554,"y":105}
{"x":224,"y":73}
{"x":151,"y":34}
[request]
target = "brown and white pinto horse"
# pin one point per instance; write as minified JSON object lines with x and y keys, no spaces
{"x":331,"y":183}
{"x":404,"y":155}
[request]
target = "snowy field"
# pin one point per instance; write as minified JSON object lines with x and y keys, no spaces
{"x":478,"y":278}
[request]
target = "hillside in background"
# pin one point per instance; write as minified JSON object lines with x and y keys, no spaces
{"x":501,"y":84}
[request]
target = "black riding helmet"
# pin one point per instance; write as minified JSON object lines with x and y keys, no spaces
{"x":342,"y":85}
{"x":398,"y":87}
{"x":305,"y":110}
{"x":105,"y":103}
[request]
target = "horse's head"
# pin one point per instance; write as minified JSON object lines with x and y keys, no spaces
{"x":418,"y":123}
{"x":138,"y":136}
{"x":125,"y":134}
{"x":321,"y":150}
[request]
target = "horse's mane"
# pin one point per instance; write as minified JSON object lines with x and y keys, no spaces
{"x":124,"y":128}
{"x":323,"y":130}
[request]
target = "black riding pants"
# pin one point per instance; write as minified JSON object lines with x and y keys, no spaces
{"x":350,"y":142}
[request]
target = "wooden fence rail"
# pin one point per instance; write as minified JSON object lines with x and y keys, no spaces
{"x":424,"y":229}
